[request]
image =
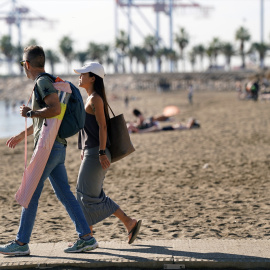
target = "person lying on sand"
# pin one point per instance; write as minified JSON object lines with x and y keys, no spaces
{"x":168,"y":112}
{"x":154,"y":127}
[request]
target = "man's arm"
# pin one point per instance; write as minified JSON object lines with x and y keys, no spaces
{"x":53,"y":108}
{"x":13,"y":141}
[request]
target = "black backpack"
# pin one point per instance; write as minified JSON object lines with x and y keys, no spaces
{"x":74,"y":117}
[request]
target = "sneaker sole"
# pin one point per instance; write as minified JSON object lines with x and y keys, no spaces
{"x":91,"y":247}
{"x":84,"y":249}
{"x":18,"y":253}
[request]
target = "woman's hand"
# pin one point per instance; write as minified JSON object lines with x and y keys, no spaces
{"x":104,"y":161}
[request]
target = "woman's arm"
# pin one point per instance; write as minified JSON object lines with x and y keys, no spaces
{"x":98,"y":104}
{"x":97,"y":107}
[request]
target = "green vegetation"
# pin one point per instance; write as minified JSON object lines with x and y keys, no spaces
{"x":151,"y":55}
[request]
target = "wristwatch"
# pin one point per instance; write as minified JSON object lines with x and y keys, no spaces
{"x":29,"y":114}
{"x":101,"y":152}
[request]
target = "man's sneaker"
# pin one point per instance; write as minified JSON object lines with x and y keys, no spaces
{"x":15,"y":249}
{"x":82,"y":245}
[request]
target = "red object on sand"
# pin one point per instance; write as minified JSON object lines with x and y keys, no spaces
{"x":171,"y":110}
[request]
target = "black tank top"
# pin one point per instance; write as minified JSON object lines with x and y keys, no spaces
{"x":89,"y":135}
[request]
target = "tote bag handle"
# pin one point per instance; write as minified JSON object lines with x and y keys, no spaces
{"x":111,"y":110}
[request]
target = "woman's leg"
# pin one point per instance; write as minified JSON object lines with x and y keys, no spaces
{"x":95,"y":204}
{"x":126,"y":220}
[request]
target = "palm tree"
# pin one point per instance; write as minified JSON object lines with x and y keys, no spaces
{"x":67,"y":50}
{"x":122,"y":44}
{"x":209,"y":52}
{"x":160,"y":53}
{"x":17,"y":54}
{"x":106,"y":57}
{"x":7,"y":49}
{"x":169,"y":55}
{"x":228,"y":51}
{"x":53,"y":58}
{"x":99,"y":52}
{"x":200,"y":51}
{"x":32,"y":41}
{"x":173,"y":58}
{"x":216,"y":47}
{"x":192,"y":58}
{"x":262,"y":49}
{"x":82,"y":56}
{"x":182,"y":40}
{"x":139,"y":54}
{"x":132,"y":54}
{"x":95,"y":52}
{"x":242,"y":34}
{"x":150,"y":45}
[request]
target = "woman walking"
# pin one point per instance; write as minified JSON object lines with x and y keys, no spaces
{"x":94,"y":142}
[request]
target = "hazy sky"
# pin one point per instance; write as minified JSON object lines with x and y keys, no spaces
{"x":87,"y":21}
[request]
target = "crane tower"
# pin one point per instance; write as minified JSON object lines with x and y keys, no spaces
{"x":15,"y":15}
{"x":159,"y":6}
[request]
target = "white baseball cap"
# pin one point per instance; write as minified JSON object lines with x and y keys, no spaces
{"x":93,"y":67}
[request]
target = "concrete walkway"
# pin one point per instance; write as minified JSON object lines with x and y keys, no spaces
{"x":159,"y":254}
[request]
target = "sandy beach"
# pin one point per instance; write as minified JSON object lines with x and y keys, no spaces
{"x":211,"y":182}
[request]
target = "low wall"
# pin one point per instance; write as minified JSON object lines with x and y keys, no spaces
{"x":19,"y":86}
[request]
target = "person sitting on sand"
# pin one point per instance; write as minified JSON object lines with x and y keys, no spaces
{"x":191,"y":123}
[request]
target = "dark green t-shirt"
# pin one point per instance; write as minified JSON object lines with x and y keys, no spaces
{"x":44,"y":88}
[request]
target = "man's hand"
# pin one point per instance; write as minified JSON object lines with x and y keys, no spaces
{"x":24,"y":110}
{"x":13,"y":141}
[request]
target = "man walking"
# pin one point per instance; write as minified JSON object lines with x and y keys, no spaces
{"x":33,"y":63}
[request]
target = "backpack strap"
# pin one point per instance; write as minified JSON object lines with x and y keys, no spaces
{"x":38,"y":98}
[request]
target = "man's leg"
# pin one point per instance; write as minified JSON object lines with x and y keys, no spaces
{"x":59,"y":182}
{"x":28,"y":215}
{"x":20,"y":245}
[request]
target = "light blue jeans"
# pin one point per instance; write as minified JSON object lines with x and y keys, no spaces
{"x":56,"y":171}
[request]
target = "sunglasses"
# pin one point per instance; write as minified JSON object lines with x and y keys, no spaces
{"x":23,"y":61}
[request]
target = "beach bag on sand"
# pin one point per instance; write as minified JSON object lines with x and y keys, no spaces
{"x":121,"y":145}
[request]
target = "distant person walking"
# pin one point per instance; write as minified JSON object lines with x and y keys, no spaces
{"x":255,"y":88}
{"x":190,"y":93}
{"x":126,"y":100}
{"x":95,"y":155}
{"x":33,"y":63}
{"x":7,"y":105}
